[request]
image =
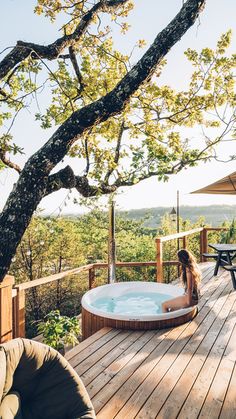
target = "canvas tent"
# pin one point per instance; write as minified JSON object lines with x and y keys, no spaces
{"x":224,"y":186}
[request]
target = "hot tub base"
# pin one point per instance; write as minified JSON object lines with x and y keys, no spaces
{"x":91,"y":323}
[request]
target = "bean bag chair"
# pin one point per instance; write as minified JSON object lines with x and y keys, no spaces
{"x":36,"y":382}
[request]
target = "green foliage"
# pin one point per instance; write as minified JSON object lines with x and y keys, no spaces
{"x":229,"y":236}
{"x":52,"y":245}
{"x":150,"y":129}
{"x":48,"y":246}
{"x":75,"y":10}
{"x":59,"y":331}
{"x":153,"y":141}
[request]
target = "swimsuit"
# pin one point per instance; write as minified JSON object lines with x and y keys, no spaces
{"x":195,"y":293}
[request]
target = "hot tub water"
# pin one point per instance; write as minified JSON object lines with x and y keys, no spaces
{"x":132,"y":303}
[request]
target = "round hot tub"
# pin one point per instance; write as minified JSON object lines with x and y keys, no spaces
{"x":131,"y":305}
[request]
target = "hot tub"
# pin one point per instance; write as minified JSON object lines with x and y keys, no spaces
{"x":131,"y":305}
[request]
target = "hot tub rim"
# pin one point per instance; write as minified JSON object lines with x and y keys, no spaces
{"x":144,"y":317}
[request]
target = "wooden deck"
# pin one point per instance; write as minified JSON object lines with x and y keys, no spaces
{"x":186,"y":372}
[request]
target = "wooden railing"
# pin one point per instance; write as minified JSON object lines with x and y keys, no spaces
{"x":159,"y":248}
{"x":183,"y":236}
{"x":19,"y":290}
{"x":6,"y":317}
{"x":12,"y":297}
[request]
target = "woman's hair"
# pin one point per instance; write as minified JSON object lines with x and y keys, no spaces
{"x":187,"y":260}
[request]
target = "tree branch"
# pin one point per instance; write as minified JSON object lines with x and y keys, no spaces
{"x":114,"y":102}
{"x":9,"y":163}
{"x":117,"y":151}
{"x":24,"y":49}
{"x":77,"y":70}
{"x":87,"y":153}
{"x":65,"y":178}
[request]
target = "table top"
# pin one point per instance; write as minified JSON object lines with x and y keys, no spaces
{"x":223,"y":247}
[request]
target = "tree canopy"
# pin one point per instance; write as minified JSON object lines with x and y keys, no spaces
{"x":112,"y":116}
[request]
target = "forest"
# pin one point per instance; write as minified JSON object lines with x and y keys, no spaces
{"x":213,"y":214}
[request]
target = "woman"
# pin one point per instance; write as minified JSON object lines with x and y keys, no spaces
{"x":191,"y":277}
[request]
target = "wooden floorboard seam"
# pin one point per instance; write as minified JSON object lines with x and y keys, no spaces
{"x":167,"y":332}
{"x":157,"y":392}
{"x":180,"y":326}
{"x":174,"y":398}
{"x":83,"y":345}
{"x":155,"y":365}
{"x":212,"y":407}
{"x":228,"y":409}
{"x":224,"y":286}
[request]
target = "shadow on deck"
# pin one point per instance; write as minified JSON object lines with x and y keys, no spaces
{"x":186,"y":372}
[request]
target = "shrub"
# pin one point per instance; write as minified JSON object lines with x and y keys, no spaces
{"x":59,"y":331}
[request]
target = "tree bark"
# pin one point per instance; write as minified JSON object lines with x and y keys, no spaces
{"x":50,"y":52}
{"x":35,"y":181}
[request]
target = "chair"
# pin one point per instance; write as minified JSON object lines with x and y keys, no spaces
{"x":36,"y":382}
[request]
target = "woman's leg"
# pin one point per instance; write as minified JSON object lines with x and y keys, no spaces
{"x":175,"y":304}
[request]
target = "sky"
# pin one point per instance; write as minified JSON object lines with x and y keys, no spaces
{"x":147,"y":19}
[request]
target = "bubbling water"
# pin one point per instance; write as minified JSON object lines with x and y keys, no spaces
{"x":135,"y":303}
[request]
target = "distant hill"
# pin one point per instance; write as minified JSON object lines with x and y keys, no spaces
{"x":213,"y":214}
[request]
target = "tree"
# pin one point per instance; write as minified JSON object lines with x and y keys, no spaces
{"x":48,"y":247}
{"x":94,"y":103}
{"x":51,"y":245}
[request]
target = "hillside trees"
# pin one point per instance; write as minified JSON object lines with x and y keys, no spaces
{"x":51,"y":245}
{"x":110,"y":115}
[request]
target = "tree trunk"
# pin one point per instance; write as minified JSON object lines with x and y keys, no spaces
{"x":33,"y":182}
{"x":17,"y":213}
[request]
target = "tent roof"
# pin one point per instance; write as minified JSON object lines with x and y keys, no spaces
{"x":224,"y":186}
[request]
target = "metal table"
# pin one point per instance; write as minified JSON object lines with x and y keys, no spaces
{"x":226,"y":253}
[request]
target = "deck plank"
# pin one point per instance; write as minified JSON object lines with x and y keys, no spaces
{"x":186,"y":371}
{"x":196,"y":379}
{"x":120,"y":370}
{"x":178,"y":342}
{"x":91,"y":349}
{"x":85,"y":344}
{"x":171,"y":368}
{"x":99,"y":354}
{"x":177,"y":331}
{"x":215,"y":397}
{"x":95,"y":370}
{"x":173,"y":343}
{"x":229,"y":407}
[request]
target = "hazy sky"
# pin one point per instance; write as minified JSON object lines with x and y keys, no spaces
{"x":148,"y":18}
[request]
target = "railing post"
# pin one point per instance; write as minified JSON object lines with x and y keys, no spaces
{"x":159,"y":260}
{"x":91,"y":278}
{"x":201,"y":246}
{"x":204,"y":243}
{"x":19,"y":313}
{"x":6,"y":322}
{"x":185,"y":242}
